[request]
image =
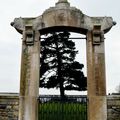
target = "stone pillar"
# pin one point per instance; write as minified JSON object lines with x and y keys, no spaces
{"x":29,"y":82}
{"x":97,"y":105}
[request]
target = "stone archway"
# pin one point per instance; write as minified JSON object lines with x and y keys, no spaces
{"x":56,"y":18}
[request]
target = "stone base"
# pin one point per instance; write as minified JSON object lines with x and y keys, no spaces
{"x":97,"y":109}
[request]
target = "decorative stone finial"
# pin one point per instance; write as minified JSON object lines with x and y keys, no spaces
{"x":63,"y":3}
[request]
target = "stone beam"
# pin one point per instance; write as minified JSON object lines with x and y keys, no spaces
{"x":65,"y":19}
{"x":64,"y":15}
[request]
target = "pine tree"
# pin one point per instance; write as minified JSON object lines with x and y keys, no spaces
{"x":58,"y":66}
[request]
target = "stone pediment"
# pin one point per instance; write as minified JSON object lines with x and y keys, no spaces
{"x":63,"y":15}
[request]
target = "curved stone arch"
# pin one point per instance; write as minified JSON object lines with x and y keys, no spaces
{"x":63,"y":28}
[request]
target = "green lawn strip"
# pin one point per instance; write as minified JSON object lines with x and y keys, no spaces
{"x":62,"y":111}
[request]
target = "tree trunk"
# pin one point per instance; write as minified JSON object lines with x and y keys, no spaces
{"x":61,"y":81}
{"x":62,"y":92}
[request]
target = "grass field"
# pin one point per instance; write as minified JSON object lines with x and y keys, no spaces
{"x":62,"y":111}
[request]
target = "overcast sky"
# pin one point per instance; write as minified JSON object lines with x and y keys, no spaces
{"x":10,"y":40}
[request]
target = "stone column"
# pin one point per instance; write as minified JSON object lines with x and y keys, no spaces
{"x":29,"y":82}
{"x":97,"y":106}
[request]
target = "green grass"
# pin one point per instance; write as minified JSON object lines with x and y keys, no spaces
{"x":62,"y":111}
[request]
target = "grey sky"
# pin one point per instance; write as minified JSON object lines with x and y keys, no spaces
{"x":10,"y":40}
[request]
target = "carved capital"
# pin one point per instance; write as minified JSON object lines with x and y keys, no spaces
{"x":98,"y":35}
{"x":29,"y":35}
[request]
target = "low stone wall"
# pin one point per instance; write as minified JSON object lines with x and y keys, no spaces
{"x":8,"y":106}
{"x":113,"y":105}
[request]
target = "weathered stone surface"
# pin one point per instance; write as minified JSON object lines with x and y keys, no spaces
{"x":9,"y":107}
{"x":113,"y":107}
{"x":29,"y":83}
{"x":96,"y":81}
{"x":9,"y":104}
{"x":59,"y":18}
{"x":64,"y":15}
{"x":97,"y":105}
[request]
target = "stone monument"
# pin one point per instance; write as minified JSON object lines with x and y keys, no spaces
{"x":59,"y":18}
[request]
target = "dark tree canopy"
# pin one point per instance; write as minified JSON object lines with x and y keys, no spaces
{"x":58,"y":66}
